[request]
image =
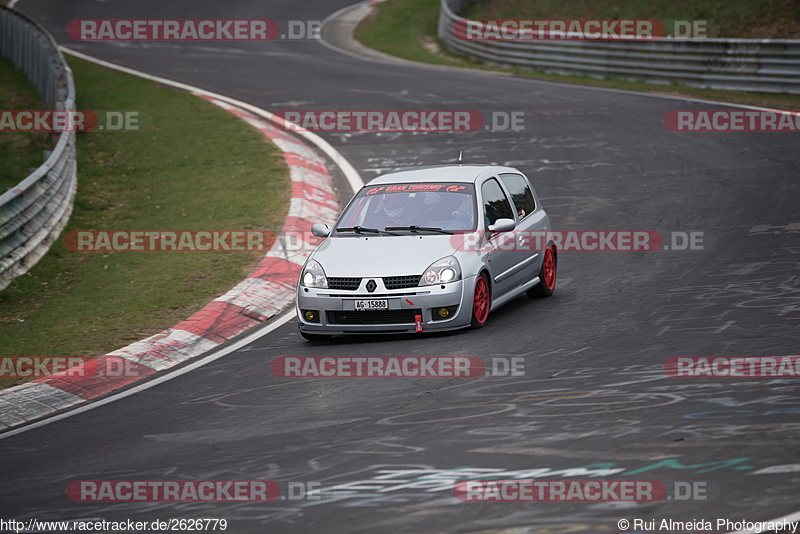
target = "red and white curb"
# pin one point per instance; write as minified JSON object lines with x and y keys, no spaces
{"x":267,"y":290}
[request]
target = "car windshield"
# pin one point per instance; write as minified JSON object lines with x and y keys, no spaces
{"x":411,"y":208}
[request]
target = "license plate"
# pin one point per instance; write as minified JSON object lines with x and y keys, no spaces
{"x":375,"y":304}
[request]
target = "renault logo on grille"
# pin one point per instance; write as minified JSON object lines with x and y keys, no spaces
{"x":371,"y":285}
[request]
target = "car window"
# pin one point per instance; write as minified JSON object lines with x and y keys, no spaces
{"x":445,"y":205}
{"x":495,"y":203}
{"x":521,"y":194}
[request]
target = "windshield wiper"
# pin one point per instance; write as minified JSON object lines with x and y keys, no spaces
{"x":359,"y":230}
{"x":362,"y":230}
{"x":414,"y":228}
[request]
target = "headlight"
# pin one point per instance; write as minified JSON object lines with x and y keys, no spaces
{"x":313,"y":275}
{"x":441,"y":271}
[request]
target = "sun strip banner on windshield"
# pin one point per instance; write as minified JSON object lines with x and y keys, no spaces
{"x":417,"y":188}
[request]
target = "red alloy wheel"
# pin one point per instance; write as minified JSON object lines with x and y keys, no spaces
{"x":480,"y":303}
{"x":549,"y":268}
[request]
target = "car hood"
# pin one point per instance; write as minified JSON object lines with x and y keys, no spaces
{"x":381,"y":256}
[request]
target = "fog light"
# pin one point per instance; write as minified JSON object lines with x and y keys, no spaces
{"x":443,"y":313}
{"x":310,"y":316}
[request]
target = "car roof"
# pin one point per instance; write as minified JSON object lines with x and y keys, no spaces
{"x":439,"y":173}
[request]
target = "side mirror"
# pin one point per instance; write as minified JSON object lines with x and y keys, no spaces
{"x":501,"y":225}
{"x":320,"y":230}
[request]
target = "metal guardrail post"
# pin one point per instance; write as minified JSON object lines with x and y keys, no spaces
{"x":33,"y":214}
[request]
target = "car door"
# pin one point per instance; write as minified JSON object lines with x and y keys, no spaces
{"x":531,"y":228}
{"x":499,"y":246}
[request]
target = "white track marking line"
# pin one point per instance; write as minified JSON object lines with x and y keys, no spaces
{"x":169,"y":375}
{"x":353,"y":178}
{"x":350,"y":173}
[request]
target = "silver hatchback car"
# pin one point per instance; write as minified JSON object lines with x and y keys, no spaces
{"x":432,"y":248}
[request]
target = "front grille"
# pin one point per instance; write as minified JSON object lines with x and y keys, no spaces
{"x":401,"y":282}
{"x":344,"y":284}
{"x":373,"y":317}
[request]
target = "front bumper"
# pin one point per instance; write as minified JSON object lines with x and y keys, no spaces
{"x":337,"y":315}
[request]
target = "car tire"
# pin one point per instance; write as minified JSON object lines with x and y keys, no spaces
{"x":547,"y":276}
{"x":481,"y":302}
{"x":315,"y":337}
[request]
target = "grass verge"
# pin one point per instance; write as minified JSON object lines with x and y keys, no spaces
{"x":20,"y":152}
{"x":407,"y":29}
{"x":194,"y":167}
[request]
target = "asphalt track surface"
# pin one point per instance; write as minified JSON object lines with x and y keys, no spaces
{"x":594,"y":394}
